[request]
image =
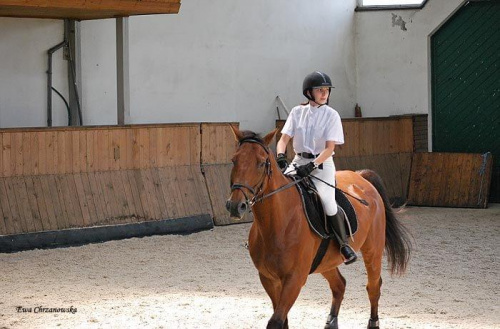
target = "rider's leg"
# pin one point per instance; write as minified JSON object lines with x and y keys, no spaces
{"x":334,"y":215}
{"x":338,"y":223}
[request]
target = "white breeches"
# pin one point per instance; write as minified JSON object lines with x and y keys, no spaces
{"x":326,"y":193}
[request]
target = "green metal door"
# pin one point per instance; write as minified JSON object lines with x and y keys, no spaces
{"x":466,"y":84}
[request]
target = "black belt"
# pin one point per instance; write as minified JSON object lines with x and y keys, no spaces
{"x":307,"y":155}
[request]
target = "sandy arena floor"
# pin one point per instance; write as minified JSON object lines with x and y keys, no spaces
{"x":207,"y":280}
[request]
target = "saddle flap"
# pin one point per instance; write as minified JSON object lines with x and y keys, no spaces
{"x":315,"y":213}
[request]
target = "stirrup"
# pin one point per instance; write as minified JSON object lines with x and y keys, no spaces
{"x":349,"y":254}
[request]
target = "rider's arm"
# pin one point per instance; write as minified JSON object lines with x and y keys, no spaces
{"x":281,"y":146}
{"x":326,"y":153}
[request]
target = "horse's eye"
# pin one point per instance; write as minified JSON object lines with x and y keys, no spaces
{"x":262,"y":164}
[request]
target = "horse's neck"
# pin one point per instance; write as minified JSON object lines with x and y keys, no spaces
{"x":272,"y":214}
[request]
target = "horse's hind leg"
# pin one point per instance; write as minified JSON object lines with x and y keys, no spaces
{"x":373,"y":264}
{"x":337,"y":285}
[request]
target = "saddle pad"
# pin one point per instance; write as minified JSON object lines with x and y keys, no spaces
{"x":314,"y":209}
{"x":344,"y":203}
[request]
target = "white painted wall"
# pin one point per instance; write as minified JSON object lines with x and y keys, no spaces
{"x":393,"y":63}
{"x":227,"y":60}
{"x":220,"y":60}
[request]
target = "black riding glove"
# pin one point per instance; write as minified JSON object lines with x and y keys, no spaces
{"x":305,"y":170}
{"x":282,"y":161}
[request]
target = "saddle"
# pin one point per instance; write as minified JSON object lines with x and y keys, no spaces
{"x":315,"y":213}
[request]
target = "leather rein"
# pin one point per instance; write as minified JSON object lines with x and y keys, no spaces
{"x":255,"y":195}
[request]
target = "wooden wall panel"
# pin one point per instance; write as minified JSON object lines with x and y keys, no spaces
{"x":56,"y":202}
{"x":91,"y":149}
{"x":218,"y":143}
{"x":450,"y":179}
{"x":369,"y":136}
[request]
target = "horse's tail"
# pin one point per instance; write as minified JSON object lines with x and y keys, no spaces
{"x":397,"y":237}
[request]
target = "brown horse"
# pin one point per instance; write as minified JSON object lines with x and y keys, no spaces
{"x":282,"y":245}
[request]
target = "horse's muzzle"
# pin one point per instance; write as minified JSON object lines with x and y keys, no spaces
{"x":236,"y":209}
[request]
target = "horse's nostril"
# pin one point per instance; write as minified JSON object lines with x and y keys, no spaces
{"x":228,"y":205}
{"x":242,"y":207}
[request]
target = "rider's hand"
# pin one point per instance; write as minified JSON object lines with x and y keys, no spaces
{"x":305,"y":170}
{"x":282,"y":161}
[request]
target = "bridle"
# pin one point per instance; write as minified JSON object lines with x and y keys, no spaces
{"x":255,"y":191}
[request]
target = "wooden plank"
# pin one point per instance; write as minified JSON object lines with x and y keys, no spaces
{"x":102,"y":178}
{"x":78,"y":10}
{"x":169,"y":191}
{"x":153,"y":147}
{"x":50,"y":152}
{"x":98,"y":197}
{"x":17,"y":154}
{"x":3,"y":226}
{"x":136,"y":152}
{"x":150,"y":192}
{"x":8,"y":211}
{"x":138,"y":205}
{"x":26,"y":218}
{"x":123,"y":149}
{"x":42,"y":206}
{"x":67,"y":201}
{"x":123,"y":213}
{"x":103,"y":148}
{"x":158,"y":192}
{"x":144,"y":148}
{"x":33,"y":203}
{"x":51,"y":202}
{"x":89,"y":199}
{"x":6,"y":155}
{"x":200,"y":190}
{"x":27,"y":159}
{"x":42,"y":153}
{"x":129,"y":197}
{"x":81,"y":199}
{"x":76,"y":161}
{"x":143,"y":196}
{"x":446,"y":179}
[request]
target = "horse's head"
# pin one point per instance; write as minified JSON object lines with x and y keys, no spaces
{"x":252,"y":165}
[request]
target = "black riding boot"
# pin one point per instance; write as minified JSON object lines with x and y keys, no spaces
{"x":338,"y":224}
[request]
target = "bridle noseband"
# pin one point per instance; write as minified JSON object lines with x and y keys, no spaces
{"x":258,"y":189}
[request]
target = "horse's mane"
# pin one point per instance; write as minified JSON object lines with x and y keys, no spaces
{"x":247,"y":134}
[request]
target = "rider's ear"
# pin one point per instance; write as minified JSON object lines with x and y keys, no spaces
{"x":269,"y":137}
{"x":237,"y":133}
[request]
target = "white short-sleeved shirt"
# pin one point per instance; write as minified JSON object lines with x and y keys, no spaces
{"x":312,"y":126}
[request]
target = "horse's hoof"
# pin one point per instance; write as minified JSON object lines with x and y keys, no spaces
{"x":275,"y":324}
{"x":373,"y":324}
{"x":332,"y":322}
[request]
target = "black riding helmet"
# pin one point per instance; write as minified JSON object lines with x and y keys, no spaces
{"x":316,"y":80}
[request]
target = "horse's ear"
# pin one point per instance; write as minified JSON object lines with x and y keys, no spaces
{"x":237,"y":133}
{"x":269,"y":137}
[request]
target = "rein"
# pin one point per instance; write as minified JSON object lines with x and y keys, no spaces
{"x":256,"y":198}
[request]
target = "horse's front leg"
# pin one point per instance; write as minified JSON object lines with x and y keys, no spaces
{"x":290,"y":289}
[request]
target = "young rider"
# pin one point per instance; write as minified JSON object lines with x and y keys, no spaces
{"x":316,"y":129}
